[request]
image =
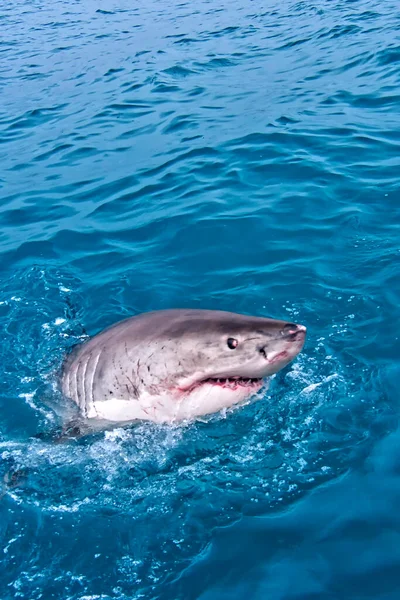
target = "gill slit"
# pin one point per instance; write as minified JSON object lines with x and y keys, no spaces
{"x":91,"y":387}
{"x":83,"y":384}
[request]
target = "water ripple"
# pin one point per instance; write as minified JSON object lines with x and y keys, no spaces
{"x":231,"y":156}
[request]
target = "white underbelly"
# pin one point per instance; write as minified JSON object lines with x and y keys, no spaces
{"x":169,"y":408}
{"x":149,"y":408}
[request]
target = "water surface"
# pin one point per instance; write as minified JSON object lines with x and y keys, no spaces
{"x":240,"y":156}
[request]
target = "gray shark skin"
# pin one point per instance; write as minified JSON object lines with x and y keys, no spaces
{"x":176,"y":365}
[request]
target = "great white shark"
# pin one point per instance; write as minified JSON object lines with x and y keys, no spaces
{"x":173,"y":365}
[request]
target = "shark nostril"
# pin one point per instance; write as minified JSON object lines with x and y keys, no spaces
{"x":293,"y":332}
{"x":262,"y":351}
{"x":290,"y":328}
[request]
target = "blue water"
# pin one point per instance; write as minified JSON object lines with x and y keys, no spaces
{"x":231,"y":155}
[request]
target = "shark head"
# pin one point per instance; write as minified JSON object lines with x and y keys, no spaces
{"x":173,"y":365}
{"x":215,"y":359}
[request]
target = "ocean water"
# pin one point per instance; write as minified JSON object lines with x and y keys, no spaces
{"x":241,"y":156}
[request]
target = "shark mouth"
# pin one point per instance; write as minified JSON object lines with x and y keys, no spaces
{"x":237,"y":383}
{"x":233,"y":383}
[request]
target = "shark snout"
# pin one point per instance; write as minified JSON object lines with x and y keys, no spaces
{"x":287,"y":342}
{"x":283,"y":347}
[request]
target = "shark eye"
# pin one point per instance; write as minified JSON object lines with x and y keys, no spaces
{"x":232,"y":343}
